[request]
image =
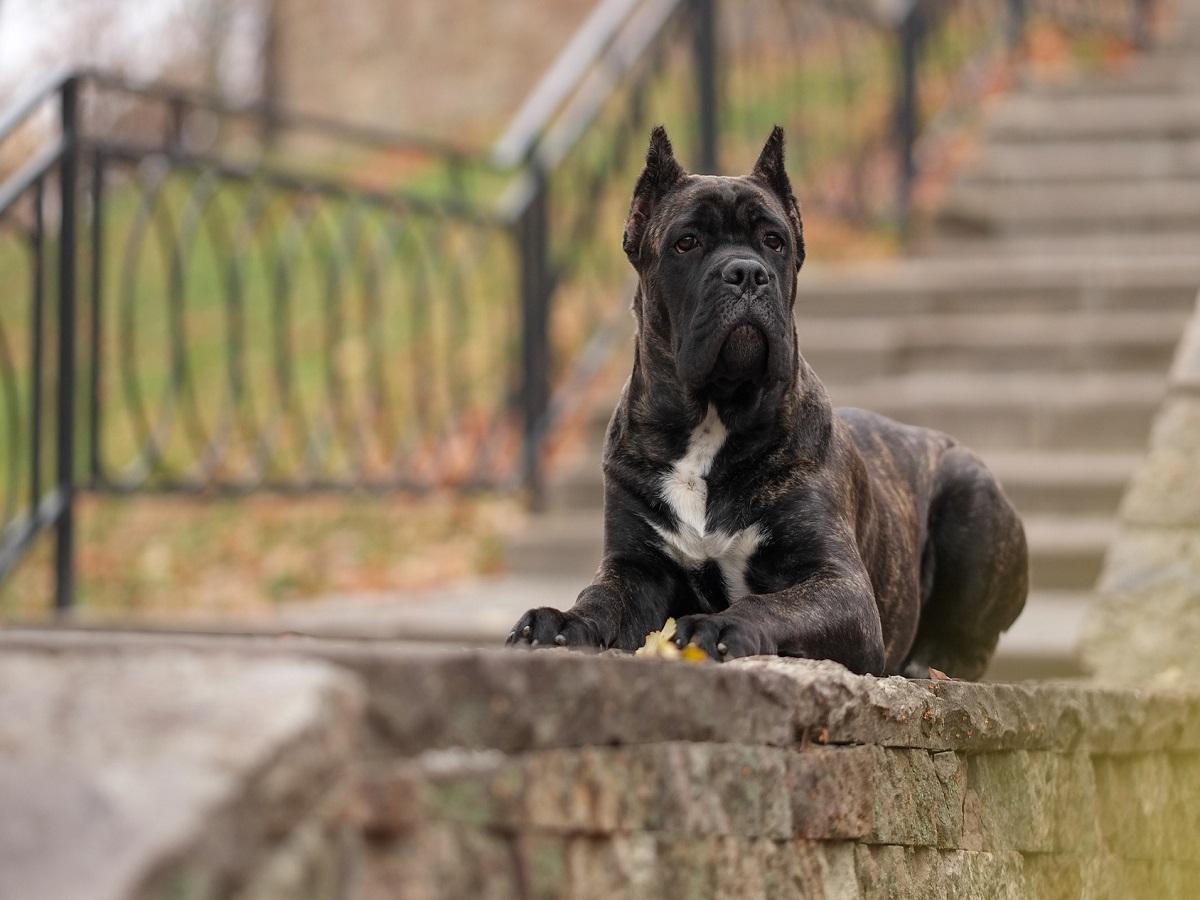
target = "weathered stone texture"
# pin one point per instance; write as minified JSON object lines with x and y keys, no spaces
{"x":764,"y":778}
{"x":172,"y":775}
{"x":1147,"y":624}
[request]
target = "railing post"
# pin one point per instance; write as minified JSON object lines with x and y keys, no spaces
{"x":705,"y":51}
{"x":910,"y":34}
{"x":64,"y":550}
{"x":1018,"y":15}
{"x":1143,"y":10}
{"x":534,"y":247}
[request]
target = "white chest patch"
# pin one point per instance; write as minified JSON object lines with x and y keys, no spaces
{"x":685,"y":490}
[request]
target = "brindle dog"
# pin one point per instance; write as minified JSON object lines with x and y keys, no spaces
{"x":738,"y":501}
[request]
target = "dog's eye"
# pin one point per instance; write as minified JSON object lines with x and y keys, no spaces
{"x":773,"y":241}
{"x":686,"y":243}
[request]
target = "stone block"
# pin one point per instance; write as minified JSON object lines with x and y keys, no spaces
{"x":314,"y":862}
{"x":1054,"y":876}
{"x":441,"y":861}
{"x":900,"y":873}
{"x":1133,"y":801}
{"x":1064,"y":876}
{"x":1183,"y":809}
{"x":690,"y":789}
{"x":1009,"y":803}
{"x":832,"y":791}
{"x":1031,"y":801}
{"x":918,"y":798}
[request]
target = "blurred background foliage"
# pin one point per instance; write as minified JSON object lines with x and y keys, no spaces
{"x":401,"y":328}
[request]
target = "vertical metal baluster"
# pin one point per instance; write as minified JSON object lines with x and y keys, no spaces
{"x":909,"y":35}
{"x":1018,"y":16}
{"x":533,"y":245}
{"x":37,"y":338}
{"x":64,"y":551}
{"x":706,"y":62}
{"x":95,"y":324}
{"x":1142,"y":11}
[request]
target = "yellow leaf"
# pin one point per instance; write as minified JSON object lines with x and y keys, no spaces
{"x":692,"y":653}
{"x":660,"y":643}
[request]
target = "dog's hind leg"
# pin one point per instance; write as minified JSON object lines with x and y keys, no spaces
{"x":975,"y":568}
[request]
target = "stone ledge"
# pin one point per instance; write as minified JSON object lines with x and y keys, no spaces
{"x":422,"y":697}
{"x":169,"y":775}
{"x":517,"y":774}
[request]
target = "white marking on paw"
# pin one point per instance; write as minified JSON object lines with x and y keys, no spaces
{"x":685,"y":491}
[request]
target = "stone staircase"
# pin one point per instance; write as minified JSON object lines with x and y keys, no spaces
{"x":1035,"y":323}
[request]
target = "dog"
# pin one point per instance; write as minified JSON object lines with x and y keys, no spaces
{"x":738,"y":501}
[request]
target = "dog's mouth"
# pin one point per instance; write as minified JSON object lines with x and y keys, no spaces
{"x":743,"y":355}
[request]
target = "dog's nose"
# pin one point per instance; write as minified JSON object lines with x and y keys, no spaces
{"x":745,"y":272}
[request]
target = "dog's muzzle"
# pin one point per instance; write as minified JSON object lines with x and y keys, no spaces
{"x":743,"y":356}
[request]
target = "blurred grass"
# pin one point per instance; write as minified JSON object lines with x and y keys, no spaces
{"x":208,"y":559}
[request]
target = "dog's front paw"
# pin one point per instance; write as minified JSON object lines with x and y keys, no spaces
{"x":723,"y":637}
{"x":547,"y":627}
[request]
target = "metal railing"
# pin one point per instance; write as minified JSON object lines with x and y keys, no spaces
{"x":199,"y":299}
{"x":201,"y":319}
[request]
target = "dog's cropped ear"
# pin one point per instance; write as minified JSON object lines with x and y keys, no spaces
{"x":770,"y":171}
{"x":660,"y":174}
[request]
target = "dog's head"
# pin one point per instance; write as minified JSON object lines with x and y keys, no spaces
{"x":717,"y":259}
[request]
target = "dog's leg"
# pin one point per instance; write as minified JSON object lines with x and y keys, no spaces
{"x":628,"y":598}
{"x":829,"y":615}
{"x":980,"y":571}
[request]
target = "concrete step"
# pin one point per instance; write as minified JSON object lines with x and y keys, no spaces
{"x":560,"y":543}
{"x":1020,"y":412}
{"x":1078,"y":249}
{"x":1158,"y":206}
{"x":1042,"y":642}
{"x":1006,"y":411}
{"x":1070,"y":483}
{"x":1170,"y":74}
{"x":1029,"y":117}
{"x":846,"y":350}
{"x":1073,"y":483}
{"x":1080,"y":483}
{"x":1000,"y":283}
{"x":1086,"y":161}
{"x":580,"y":486}
{"x":1066,"y":552}
{"x":473,"y":613}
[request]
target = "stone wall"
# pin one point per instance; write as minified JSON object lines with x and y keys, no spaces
{"x":1146,"y":626}
{"x":508,"y":774}
{"x":788,"y":779}
{"x":174,"y":775}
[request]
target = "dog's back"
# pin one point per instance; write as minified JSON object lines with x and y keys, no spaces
{"x":933,"y":500}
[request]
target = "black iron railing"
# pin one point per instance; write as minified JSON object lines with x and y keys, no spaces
{"x":211,"y":299}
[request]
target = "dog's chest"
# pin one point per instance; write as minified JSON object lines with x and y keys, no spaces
{"x":684,"y":488}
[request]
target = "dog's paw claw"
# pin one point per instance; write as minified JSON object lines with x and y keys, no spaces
{"x":547,"y":627}
{"x":722,"y":637}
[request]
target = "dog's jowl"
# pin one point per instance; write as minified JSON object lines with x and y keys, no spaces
{"x":740,"y":502}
